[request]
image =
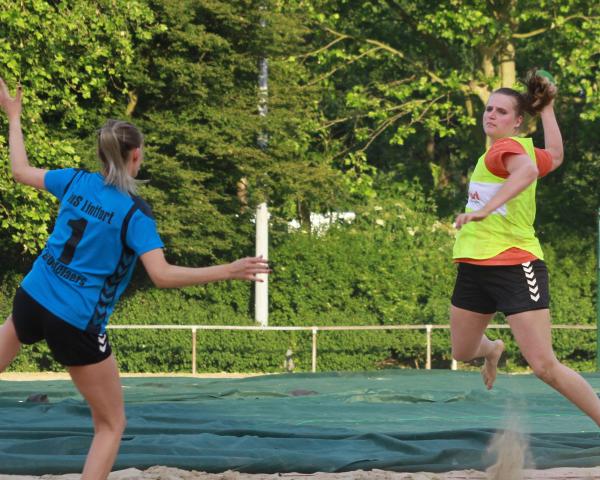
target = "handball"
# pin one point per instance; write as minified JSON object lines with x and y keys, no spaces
{"x":547,"y":75}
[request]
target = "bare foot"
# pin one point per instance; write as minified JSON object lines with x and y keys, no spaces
{"x":490,"y":366}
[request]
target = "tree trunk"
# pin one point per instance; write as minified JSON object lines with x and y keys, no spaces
{"x":303,"y":212}
{"x":242,"y":193}
{"x":508,"y":74}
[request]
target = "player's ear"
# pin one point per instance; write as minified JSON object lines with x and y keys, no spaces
{"x":519,"y":122}
{"x":136,"y":155}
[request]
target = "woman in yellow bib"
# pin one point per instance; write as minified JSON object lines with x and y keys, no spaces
{"x":500,"y":261}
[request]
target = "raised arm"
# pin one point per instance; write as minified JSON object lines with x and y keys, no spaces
{"x":166,"y":275}
{"x":552,"y":138}
{"x":21,"y":170}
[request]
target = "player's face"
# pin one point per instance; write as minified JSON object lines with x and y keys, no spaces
{"x":500,"y":117}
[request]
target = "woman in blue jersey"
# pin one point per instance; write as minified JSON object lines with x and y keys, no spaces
{"x":66,"y":299}
{"x":500,"y":260}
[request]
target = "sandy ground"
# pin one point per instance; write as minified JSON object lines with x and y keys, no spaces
{"x":164,"y":473}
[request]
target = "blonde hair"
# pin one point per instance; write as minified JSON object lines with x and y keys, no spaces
{"x":116,"y":139}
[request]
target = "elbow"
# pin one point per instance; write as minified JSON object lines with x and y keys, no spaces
{"x":160,"y":278}
{"x":19,"y":175}
{"x":160,"y":281}
{"x":557,"y":154}
{"x":159,"y":271}
{"x":557,"y":160}
{"x":532,"y":173}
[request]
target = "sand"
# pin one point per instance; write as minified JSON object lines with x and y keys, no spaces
{"x":167,"y":473}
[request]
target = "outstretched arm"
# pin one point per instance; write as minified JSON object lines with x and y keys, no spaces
{"x":165,"y":275}
{"x":21,"y":170}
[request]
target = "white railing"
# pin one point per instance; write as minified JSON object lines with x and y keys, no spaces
{"x":428,"y":328}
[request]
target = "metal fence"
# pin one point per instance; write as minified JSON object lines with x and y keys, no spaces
{"x":315,"y":330}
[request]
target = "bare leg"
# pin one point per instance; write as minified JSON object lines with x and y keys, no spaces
{"x":532,"y":331}
{"x":9,"y":343}
{"x":100,"y":385}
{"x":469,"y":341}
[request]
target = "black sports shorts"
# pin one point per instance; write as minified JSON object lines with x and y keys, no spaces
{"x":70,"y":346}
{"x":508,"y":289}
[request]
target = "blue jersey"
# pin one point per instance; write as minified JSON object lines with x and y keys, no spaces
{"x":91,"y":253}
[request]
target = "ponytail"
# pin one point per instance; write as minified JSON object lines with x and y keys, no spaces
{"x":116,"y":139}
{"x":538,"y":95}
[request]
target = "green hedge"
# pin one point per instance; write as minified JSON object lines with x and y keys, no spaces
{"x":390,"y":266}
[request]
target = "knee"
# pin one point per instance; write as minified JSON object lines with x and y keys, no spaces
{"x":545,"y":369}
{"x":120,"y":424}
{"x":115,"y":424}
{"x":463,"y":354}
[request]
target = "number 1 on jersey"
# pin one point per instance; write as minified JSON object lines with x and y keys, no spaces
{"x":77,"y":227}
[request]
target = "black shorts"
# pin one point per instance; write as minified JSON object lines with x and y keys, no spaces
{"x":70,"y":346}
{"x":508,"y":289}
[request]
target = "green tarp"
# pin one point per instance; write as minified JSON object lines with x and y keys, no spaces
{"x":399,"y":420}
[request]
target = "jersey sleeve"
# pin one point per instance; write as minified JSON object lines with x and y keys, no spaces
{"x":495,"y":158}
{"x":142,"y":235}
{"x":58,"y":181}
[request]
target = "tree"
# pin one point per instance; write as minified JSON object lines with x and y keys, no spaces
{"x":197,"y":102}
{"x":71,"y":58}
{"x":406,"y":81}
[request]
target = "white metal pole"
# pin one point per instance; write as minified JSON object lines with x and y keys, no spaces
{"x":263,"y":88}
{"x":428,"y":359}
{"x":314,"y":350}
{"x":261,"y":289}
{"x":194,"y":351}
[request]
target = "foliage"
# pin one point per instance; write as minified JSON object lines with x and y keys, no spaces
{"x":373,"y":107}
{"x":404,"y":83}
{"x":71,"y":58}
{"x":197,"y":100}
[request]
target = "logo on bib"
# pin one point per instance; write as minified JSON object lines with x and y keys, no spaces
{"x":480,"y":193}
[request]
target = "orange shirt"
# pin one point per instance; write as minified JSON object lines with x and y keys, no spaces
{"x":495,"y":161}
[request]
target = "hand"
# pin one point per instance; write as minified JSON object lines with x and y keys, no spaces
{"x":463,"y":218}
{"x":553,"y":90}
{"x":248,"y":268}
{"x":10,"y":105}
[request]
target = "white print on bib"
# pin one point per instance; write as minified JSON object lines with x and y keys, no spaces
{"x":481,"y":193}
